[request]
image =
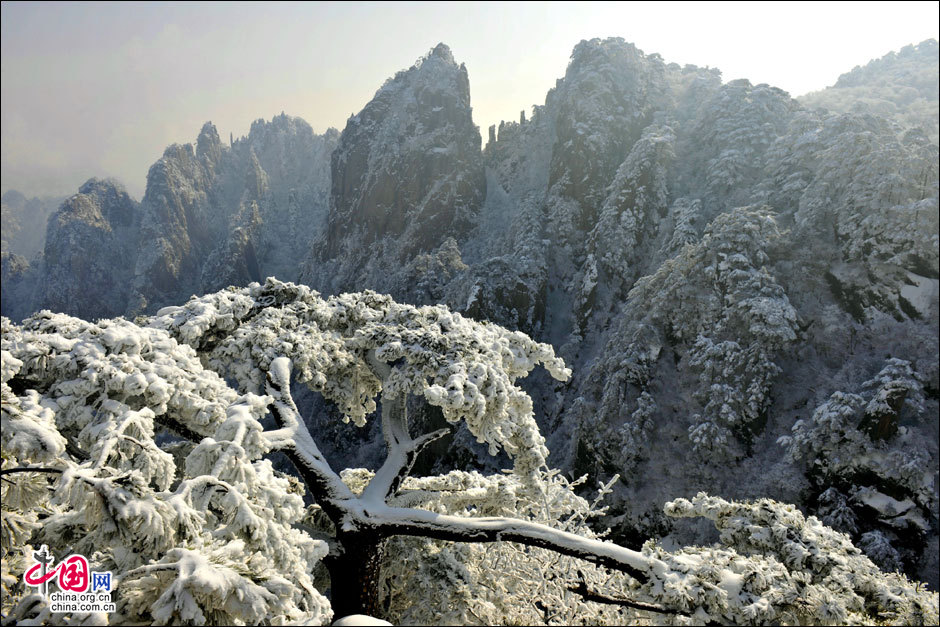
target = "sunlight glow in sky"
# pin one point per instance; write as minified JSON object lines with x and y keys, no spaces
{"x":94,"y":89}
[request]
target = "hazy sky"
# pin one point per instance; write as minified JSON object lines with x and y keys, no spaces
{"x":101,"y":89}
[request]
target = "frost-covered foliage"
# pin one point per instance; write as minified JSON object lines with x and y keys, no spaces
{"x":726,"y":145}
{"x":196,"y":532}
{"x":866,"y":455}
{"x":190,"y":524}
{"x":636,"y":203}
{"x":685,"y":213}
{"x":850,"y":434}
{"x":159,"y":474}
{"x":874,"y":190}
{"x":474,"y":584}
{"x":726,"y":342}
{"x":868,"y":195}
{"x":466,"y":368}
{"x":772,"y":565}
{"x":717,"y":301}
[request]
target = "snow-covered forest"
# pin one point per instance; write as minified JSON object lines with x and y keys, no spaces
{"x":664,"y":350}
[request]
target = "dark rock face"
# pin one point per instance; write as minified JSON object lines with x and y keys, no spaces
{"x":607,"y":98}
{"x":22,"y":237}
{"x":91,"y":245}
{"x":295,"y":165}
{"x":408,"y":170}
{"x":178,"y":226}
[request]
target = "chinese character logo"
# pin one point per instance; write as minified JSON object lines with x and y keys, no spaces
{"x":72,"y":572}
{"x":101,"y":581}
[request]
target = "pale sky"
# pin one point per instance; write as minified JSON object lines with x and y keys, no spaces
{"x":91,"y":89}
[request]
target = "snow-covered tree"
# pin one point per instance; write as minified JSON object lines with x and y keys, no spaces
{"x":200,"y":527}
{"x":772,"y":565}
{"x":716,"y":304}
{"x":636,"y":202}
{"x":724,"y":151}
{"x":872,"y":473}
{"x":850,"y":435}
{"x":197,"y":530}
{"x":901,"y":85}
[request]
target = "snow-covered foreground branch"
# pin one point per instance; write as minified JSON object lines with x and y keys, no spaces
{"x":370,"y":511}
{"x":413,"y":522}
{"x":205,"y":530}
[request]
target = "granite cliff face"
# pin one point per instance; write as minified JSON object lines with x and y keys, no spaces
{"x":178,"y":226}
{"x":91,"y":244}
{"x":703,"y":254}
{"x":407,"y":175}
{"x":18,"y":296}
{"x":608,"y":96}
{"x":213,"y":215}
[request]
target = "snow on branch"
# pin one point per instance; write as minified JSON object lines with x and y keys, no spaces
{"x":352,"y":347}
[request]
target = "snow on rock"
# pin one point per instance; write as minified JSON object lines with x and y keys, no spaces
{"x":90,"y":245}
{"x":407,"y":174}
{"x":923,"y":293}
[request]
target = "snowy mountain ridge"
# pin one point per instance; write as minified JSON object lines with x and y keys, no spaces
{"x":722,"y":268}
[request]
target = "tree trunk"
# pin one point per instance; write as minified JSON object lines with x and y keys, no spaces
{"x":354,"y":574}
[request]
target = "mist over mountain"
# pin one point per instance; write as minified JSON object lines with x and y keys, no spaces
{"x":24,"y":222}
{"x":745,"y":285}
{"x":22,"y":237}
{"x":901,"y":86}
{"x":213,"y":215}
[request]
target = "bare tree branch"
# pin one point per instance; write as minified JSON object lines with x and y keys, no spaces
{"x":370,"y":513}
{"x":10,"y":471}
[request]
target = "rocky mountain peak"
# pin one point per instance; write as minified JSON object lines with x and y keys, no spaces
{"x":24,"y":222}
{"x":442,"y":51}
{"x":13,"y":198}
{"x":90,"y":249}
{"x":109,"y":197}
{"x":208,"y":145}
{"x":408,"y":169}
{"x":589,"y":52}
{"x":607,"y":97}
